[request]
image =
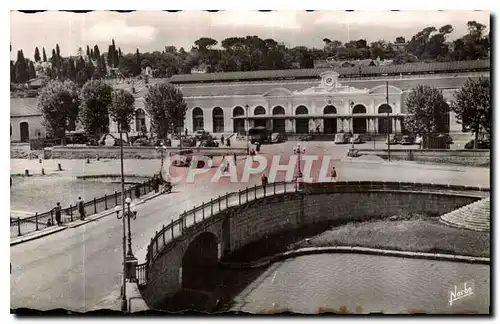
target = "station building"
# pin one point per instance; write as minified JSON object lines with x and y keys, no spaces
{"x":362,"y":100}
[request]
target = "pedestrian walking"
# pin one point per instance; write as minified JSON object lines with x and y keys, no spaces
{"x":57,"y":211}
{"x":228,"y":143}
{"x":258,"y":147}
{"x":156,"y":182}
{"x":334,"y":174}
{"x":222,"y":140}
{"x":81,"y":208}
{"x":234,"y":154}
{"x":317,"y":129}
{"x":264,"y":179}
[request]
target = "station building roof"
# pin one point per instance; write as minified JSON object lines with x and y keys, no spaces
{"x":435,"y":67}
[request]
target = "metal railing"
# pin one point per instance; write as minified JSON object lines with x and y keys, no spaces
{"x":20,"y":226}
{"x":206,"y":210}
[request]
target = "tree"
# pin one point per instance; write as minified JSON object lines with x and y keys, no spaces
{"x":59,"y":103}
{"x":37,"y":55}
{"x":167,"y":108}
{"x":31,"y":70}
{"x":88,"y":52}
{"x":95,"y":100}
{"x":58,"y":52}
{"x":22,"y":74}
{"x":472,"y":107}
{"x":122,"y":109}
{"x":97,"y":53}
{"x":400,"y":39}
{"x":427,"y":111}
{"x":12,"y":72}
{"x":137,"y":62}
{"x":44,"y":55}
{"x":205,"y":43}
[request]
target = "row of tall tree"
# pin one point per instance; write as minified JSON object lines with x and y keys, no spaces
{"x":64,"y":104}
{"x":252,"y":53}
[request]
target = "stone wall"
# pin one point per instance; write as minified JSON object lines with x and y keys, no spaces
{"x":134,"y":152}
{"x":463,"y":157}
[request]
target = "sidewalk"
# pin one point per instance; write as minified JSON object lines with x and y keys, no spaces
{"x":74,"y":224}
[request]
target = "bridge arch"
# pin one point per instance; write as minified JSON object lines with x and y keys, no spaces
{"x":199,"y":262}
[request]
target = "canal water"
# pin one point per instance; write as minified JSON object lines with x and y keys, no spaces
{"x":363,"y":284}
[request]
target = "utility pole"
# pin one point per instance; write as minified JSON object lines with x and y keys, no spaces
{"x":388,"y":121}
{"x":247,"y":129}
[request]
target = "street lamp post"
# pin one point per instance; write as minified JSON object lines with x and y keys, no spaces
{"x":130,"y":260}
{"x":351,"y":128}
{"x":388,"y":121}
{"x":247,"y":128}
{"x":124,"y":289}
{"x":299,"y":151}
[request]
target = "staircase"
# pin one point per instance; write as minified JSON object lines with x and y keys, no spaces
{"x":475,"y":216}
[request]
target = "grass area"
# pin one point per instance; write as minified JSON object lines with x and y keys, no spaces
{"x":415,"y":233}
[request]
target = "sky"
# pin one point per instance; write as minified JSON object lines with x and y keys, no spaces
{"x":153,"y":30}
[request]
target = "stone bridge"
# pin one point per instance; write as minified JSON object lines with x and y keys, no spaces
{"x":184,"y":254}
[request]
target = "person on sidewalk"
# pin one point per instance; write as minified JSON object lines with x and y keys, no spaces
{"x":57,"y":211}
{"x":264,"y":179}
{"x":81,"y":208}
{"x":334,"y":174}
{"x":222,"y":140}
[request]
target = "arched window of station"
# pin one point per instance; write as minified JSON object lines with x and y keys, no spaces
{"x":359,"y":122}
{"x":24,"y":131}
{"x":198,"y":122}
{"x":384,"y":122}
{"x":140,"y":121}
{"x":279,"y":120}
{"x":218,"y":120}
{"x":330,"y":119}
{"x":260,"y":122}
{"x":301,"y":120}
{"x":239,"y":120}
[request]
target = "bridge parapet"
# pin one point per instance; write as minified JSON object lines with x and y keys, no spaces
{"x":208,"y":212}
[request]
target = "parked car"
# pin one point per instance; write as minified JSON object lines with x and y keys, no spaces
{"x":395,"y":139}
{"x":448,"y":139}
{"x":142,"y":142}
{"x":183,"y":158}
{"x":76,"y":138}
{"x":357,"y":139}
{"x":277,"y":138}
{"x":342,"y":138}
{"x":209,"y":143}
{"x":407,"y":140}
{"x":481,"y":145}
{"x":202,"y":135}
{"x":259,"y":135}
{"x":188,"y":142}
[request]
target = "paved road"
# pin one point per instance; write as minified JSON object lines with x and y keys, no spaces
{"x":80,"y":268}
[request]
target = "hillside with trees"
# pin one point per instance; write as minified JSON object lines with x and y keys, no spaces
{"x":249,"y":53}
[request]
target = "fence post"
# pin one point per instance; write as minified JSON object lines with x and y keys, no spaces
{"x":285,"y":185}
{"x":227,"y":198}
{"x":265,"y":185}
{"x":172,"y":226}
{"x":36,"y":220}
{"x":156,"y":240}
{"x":144,"y":187}
{"x":246,"y":190}
{"x":19,"y":226}
{"x":274,"y":186}
{"x":219,"y":203}
{"x":211,"y":207}
{"x":239,"y":197}
{"x":105,"y":202}
{"x":95,"y":207}
{"x":52,"y":216}
{"x":194,"y":213}
{"x":163,"y":233}
{"x":71,"y":212}
{"x":184,"y":220}
{"x":255,"y":190}
{"x":116,"y":198}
